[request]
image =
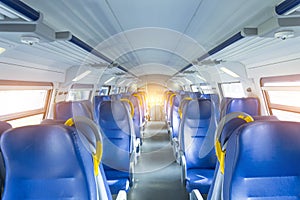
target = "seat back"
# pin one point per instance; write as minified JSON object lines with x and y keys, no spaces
{"x":67,"y":109}
{"x":49,"y":162}
{"x":97,"y":101}
{"x":175,"y":117}
{"x":137,"y":117}
{"x":194,"y":126}
{"x":4,"y":126}
{"x":116,"y":126}
{"x":262,"y":161}
{"x":249,"y":105}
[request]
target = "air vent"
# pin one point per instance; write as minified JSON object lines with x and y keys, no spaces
{"x":120,"y":74}
{"x":189,"y":72}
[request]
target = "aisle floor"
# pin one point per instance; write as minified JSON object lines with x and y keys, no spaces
{"x":157,"y":174}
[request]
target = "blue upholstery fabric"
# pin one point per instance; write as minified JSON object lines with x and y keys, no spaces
{"x":199,"y":179}
{"x":4,"y":126}
{"x":262,"y":161}
{"x":194,"y":126}
{"x":116,"y":124}
{"x":107,"y":193}
{"x":169,"y":107}
{"x":67,"y":109}
{"x":249,"y":105}
{"x":175,"y":118}
{"x":97,"y":101}
{"x":216,"y":100}
{"x":118,"y":180}
{"x":137,"y":118}
{"x":49,"y":162}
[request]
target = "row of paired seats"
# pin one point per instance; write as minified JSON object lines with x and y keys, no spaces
{"x":51,"y":161}
{"x":115,"y":117}
{"x":255,"y":156}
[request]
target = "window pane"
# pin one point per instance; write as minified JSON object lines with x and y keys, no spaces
{"x":32,"y":120}
{"x":234,"y":90}
{"x":289,"y":98}
{"x":76,"y":95}
{"x":286,"y":116}
{"x":293,"y":83}
{"x":104,"y":90}
{"x":15,"y":101}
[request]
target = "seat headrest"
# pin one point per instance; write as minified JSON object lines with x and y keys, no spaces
{"x":260,"y":154}
{"x":46,"y":156}
{"x":198,"y":109}
{"x":249,"y":105}
{"x":112,"y":111}
{"x":67,"y":109}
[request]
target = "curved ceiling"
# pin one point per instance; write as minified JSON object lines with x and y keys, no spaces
{"x":153,"y":37}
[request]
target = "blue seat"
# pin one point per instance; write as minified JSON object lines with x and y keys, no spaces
{"x":142,"y":98}
{"x":167,"y":104}
{"x":216,"y":100}
{"x":249,"y":105}
{"x":262,"y":161}
{"x":67,"y":109}
{"x":97,"y":101}
{"x":234,"y":121}
{"x":49,"y":162}
{"x":137,"y":118}
{"x":174,"y":116}
{"x":116,"y":126}
{"x":169,"y":110}
{"x":4,"y":126}
{"x":197,"y":171}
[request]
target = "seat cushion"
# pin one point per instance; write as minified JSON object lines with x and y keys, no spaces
{"x":200,"y":179}
{"x":117,"y":180}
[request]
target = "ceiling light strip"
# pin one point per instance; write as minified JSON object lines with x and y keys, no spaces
{"x":218,"y":48}
{"x":23,"y":9}
{"x":286,"y":6}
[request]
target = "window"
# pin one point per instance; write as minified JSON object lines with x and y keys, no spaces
{"x":104,"y":90}
{"x":232,"y":89}
{"x":282,"y":95}
{"x":114,"y":90}
{"x":80,"y":92}
{"x":23,"y":104}
{"x":203,"y":88}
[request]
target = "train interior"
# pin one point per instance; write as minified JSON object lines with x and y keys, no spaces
{"x":143,"y":100}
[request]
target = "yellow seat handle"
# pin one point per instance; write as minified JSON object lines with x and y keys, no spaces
{"x":131,"y":106}
{"x":180,"y":106}
{"x":97,"y":156}
{"x":218,"y":148}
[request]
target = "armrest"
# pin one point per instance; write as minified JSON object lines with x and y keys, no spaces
{"x":122,"y":195}
{"x":183,"y":168}
{"x":195,"y":195}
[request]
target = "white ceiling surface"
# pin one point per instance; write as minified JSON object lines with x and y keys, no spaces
{"x":58,"y":54}
{"x":187,"y":28}
{"x":256,"y":51}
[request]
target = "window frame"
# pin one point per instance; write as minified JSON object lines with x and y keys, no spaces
{"x":278,"y":79}
{"x":222,"y":94}
{"x":27,"y":85}
{"x":81,"y":87}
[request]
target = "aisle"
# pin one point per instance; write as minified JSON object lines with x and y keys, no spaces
{"x":157,"y":174}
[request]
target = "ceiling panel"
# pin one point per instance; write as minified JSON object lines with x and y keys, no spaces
{"x":179,"y":31}
{"x":217,"y":20}
{"x":155,"y":56}
{"x":170,"y":14}
{"x":89,"y":20}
